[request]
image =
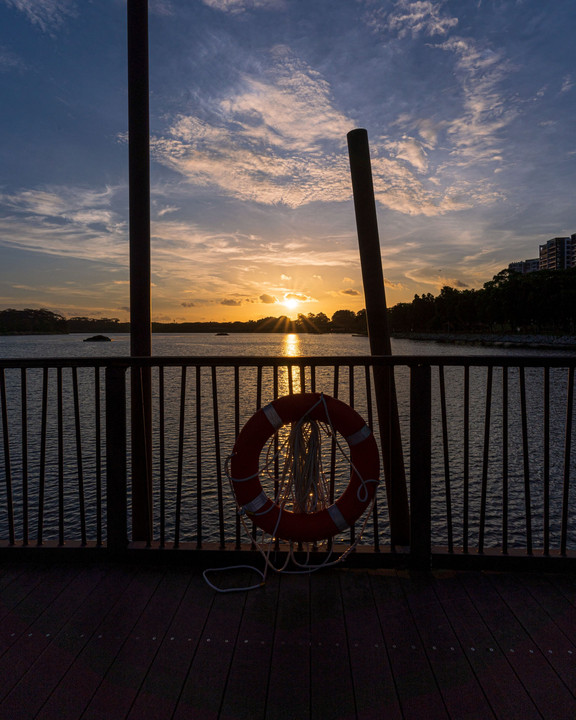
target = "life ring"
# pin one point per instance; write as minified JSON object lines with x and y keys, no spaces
{"x":313,"y":526}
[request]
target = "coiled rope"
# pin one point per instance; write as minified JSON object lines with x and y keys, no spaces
{"x":303,"y":485}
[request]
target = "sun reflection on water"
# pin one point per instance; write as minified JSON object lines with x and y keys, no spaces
{"x":291,"y":346}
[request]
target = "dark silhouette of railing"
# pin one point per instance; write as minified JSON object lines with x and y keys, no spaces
{"x":489,"y":441}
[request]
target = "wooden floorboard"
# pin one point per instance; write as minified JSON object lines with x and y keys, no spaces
{"x":149,"y":643}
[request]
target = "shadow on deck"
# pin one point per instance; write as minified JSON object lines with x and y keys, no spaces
{"x":120,"y":641}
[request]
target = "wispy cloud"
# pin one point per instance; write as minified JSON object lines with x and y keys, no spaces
{"x":10,"y":61}
{"x":66,"y":221}
{"x":486,"y":112}
{"x":567,"y":84}
{"x":240,"y":6}
{"x":273,"y":141}
{"x":48,"y":15}
{"x":410,"y":17}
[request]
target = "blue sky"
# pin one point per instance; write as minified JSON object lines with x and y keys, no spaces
{"x":469,"y":106}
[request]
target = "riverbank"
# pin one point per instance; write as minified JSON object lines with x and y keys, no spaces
{"x":539,"y":342}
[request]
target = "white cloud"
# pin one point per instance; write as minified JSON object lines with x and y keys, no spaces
{"x":47,"y":14}
{"x":410,"y":150}
{"x":411,"y":17}
{"x":277,"y":140}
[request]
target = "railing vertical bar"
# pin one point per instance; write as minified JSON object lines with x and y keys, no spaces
{"x":258,"y":387}
{"x":289,"y":368}
{"x":313,"y":378}
{"x":466,"y":478}
{"x":505,"y":483}
{"x":7,"y":460}
{"x":370,"y":422}
{"x":526,"y":459}
{"x":79,"y":461}
{"x":351,"y":385}
{"x":567,"y":456}
{"x":420,"y":466}
{"x":180,"y":471}
{"x":60,"y":408}
{"x":447,"y":483}
{"x":42,"y":467}
{"x":237,"y":432}
{"x":302,"y":378}
{"x":199,"y":527}
{"x":217,"y":449}
{"x":162,"y":454}
{"x":546,"y":460}
{"x":24,"y":434}
{"x":485,"y":460}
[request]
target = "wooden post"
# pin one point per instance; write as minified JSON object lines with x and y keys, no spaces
{"x":379,"y":334}
{"x":140,"y":275}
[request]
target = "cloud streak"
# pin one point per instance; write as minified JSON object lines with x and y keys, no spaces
{"x":48,"y":15}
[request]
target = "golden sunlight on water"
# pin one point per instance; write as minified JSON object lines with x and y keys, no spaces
{"x":291,"y":346}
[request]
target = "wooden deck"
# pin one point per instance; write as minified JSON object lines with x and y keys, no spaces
{"x":112,"y":642}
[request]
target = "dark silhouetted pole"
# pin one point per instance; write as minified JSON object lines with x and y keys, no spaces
{"x":379,"y":334}
{"x":140,"y":315}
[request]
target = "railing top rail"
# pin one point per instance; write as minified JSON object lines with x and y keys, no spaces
{"x":561,"y":360}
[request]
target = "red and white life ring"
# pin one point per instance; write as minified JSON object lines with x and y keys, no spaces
{"x":323,"y":524}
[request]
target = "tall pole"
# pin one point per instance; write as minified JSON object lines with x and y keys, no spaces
{"x":379,"y":334}
{"x":140,"y":313}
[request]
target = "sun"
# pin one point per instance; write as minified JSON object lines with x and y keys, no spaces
{"x":291,"y":303}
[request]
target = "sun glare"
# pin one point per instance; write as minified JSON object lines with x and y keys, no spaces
{"x":291,"y":303}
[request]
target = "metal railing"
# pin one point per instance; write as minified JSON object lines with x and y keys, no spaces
{"x":488,"y":444}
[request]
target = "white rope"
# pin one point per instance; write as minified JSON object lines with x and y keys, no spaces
{"x":303,"y":484}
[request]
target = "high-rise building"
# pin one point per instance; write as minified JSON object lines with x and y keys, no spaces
{"x":557,"y":253}
{"x":525,"y":266}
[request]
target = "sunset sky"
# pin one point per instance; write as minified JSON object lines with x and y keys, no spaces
{"x":470,"y":108}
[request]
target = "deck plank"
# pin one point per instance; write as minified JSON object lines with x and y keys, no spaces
{"x":554,"y":645}
{"x":331,"y":689}
{"x":459,"y":687}
{"x":121,"y":683}
{"x":289,"y":677}
{"x":505,"y":693}
{"x":119,"y":605}
{"x":374,"y":688}
{"x":28,"y":695}
{"x":162,"y":686}
{"x":540,"y":681}
{"x":247,"y":687}
{"x":415,"y":682}
{"x":204,"y":686}
{"x":34,"y":621}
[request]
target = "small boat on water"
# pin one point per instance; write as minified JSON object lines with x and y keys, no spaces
{"x":221,"y":333}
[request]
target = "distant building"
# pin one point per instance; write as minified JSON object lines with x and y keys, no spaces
{"x":525,"y":266}
{"x":557,"y":253}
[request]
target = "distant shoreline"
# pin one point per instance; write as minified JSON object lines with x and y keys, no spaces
{"x":504,"y":340}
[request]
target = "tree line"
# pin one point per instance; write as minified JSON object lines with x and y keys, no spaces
{"x":543,"y":301}
{"x":46,"y":322}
